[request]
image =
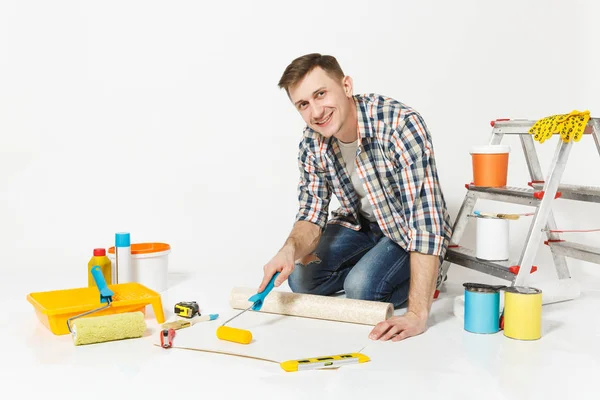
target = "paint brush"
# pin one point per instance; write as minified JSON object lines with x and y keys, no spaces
{"x":186,"y":323}
{"x":501,"y":216}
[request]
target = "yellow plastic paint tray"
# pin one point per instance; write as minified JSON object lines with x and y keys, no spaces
{"x":53,"y":308}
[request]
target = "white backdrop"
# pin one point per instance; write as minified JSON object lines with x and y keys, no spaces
{"x":164,"y":119}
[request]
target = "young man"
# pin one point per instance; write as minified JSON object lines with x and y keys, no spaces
{"x":388,"y":239}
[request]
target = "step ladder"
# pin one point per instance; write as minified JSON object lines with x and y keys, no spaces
{"x":541,"y":194}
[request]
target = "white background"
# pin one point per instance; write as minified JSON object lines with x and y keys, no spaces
{"x":164,"y":119}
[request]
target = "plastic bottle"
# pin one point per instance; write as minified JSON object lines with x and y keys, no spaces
{"x":100,"y":259}
{"x":124,"y":269}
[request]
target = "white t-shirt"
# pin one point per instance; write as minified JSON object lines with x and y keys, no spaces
{"x":349,"y":154}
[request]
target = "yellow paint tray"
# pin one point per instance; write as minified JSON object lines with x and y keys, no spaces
{"x":53,"y":308}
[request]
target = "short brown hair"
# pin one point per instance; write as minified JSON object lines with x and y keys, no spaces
{"x":301,"y":66}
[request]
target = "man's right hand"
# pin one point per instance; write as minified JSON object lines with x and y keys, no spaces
{"x":282,"y":262}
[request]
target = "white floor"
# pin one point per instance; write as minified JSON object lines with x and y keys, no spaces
{"x":446,"y":361}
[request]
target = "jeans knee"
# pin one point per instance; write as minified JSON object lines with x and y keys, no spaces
{"x":360,"y":287}
{"x":357,"y":288}
{"x":301,"y":280}
{"x":297,"y":281}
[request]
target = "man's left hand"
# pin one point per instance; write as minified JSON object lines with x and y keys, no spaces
{"x":399,"y":327}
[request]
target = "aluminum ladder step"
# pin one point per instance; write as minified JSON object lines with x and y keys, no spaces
{"x":573,"y":192}
{"x":522,"y":126}
{"x":466,"y":257}
{"x":575,"y":250}
{"x":509,"y":194}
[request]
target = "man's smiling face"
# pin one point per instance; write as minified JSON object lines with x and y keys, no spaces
{"x":323,"y":102}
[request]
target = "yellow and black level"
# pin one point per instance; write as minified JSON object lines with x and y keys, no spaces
{"x":323,"y":362}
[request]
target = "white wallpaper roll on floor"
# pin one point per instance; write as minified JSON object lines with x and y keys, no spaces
{"x":312,"y":306}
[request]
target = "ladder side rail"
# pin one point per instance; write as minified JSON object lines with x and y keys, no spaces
{"x":596,"y":133}
{"x":458,"y":230}
{"x":535,"y":171}
{"x":541,"y":215}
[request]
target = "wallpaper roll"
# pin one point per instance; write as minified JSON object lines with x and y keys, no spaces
{"x":313,"y":306}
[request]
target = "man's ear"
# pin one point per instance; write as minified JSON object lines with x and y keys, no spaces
{"x":347,"y":83}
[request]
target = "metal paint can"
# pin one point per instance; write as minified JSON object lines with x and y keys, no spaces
{"x":492,"y":239}
{"x":522,"y":313}
{"x":482,"y":308}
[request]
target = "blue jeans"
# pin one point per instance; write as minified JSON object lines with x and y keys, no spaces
{"x":365,"y":264}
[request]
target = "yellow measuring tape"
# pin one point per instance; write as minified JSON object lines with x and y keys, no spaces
{"x":323,"y":362}
{"x":570,"y":126}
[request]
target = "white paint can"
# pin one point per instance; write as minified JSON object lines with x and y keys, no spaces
{"x":492,"y":239}
{"x":149,"y":264}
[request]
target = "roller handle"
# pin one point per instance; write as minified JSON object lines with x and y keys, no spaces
{"x":105,"y":293}
{"x":259,"y":298}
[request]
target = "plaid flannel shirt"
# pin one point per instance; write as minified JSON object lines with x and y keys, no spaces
{"x":395,"y":162}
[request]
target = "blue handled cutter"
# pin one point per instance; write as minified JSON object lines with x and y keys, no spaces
{"x":257,"y":299}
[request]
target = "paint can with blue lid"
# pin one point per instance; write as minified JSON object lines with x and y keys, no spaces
{"x":482,"y":308}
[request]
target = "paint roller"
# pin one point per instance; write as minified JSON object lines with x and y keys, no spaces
{"x":105,"y":328}
{"x":244,"y":336}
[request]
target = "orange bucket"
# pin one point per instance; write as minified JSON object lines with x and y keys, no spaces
{"x":490,"y":165}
